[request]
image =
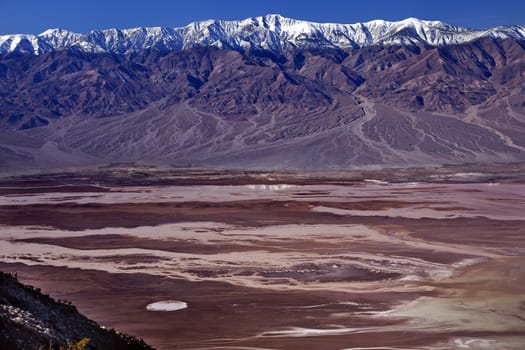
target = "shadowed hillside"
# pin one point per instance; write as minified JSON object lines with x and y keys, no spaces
{"x":30,"y":320}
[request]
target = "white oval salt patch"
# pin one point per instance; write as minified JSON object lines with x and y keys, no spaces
{"x":167,"y":305}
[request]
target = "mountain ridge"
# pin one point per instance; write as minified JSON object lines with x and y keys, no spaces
{"x":271,"y":32}
{"x":310,"y":107}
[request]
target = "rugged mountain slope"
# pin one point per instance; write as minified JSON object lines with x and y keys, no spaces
{"x":30,"y":320}
{"x":317,"y":108}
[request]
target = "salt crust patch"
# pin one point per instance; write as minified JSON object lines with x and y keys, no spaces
{"x":167,"y":305}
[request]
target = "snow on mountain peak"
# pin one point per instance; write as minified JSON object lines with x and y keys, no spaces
{"x":59,"y":38}
{"x":23,"y":43}
{"x":270,"y":32}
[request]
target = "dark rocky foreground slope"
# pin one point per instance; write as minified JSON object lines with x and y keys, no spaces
{"x":392,"y":105}
{"x":31,"y":320}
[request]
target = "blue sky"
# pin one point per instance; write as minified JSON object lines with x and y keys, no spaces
{"x":22,"y":16}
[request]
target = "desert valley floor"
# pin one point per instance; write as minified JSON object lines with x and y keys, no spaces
{"x":384,"y":260}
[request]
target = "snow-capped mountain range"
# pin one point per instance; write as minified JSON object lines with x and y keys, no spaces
{"x":271,"y":32}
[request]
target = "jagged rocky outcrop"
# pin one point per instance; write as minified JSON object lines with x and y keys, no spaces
{"x":30,"y":320}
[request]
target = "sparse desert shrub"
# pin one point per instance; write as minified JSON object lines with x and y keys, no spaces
{"x":80,"y":345}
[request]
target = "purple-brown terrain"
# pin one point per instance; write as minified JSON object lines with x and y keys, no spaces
{"x":264,"y":93}
{"x":413,"y":259}
{"x":376,"y":201}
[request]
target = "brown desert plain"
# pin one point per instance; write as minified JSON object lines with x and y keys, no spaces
{"x":395,"y":259}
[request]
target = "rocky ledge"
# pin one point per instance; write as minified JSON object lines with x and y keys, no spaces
{"x":31,"y":320}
